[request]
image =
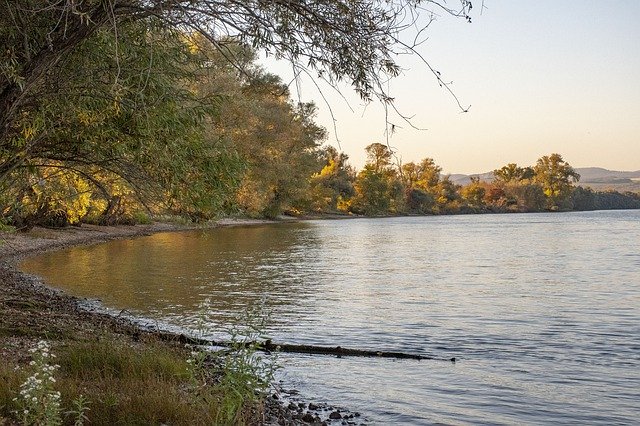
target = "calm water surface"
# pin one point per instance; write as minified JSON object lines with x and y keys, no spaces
{"x":541,"y":310}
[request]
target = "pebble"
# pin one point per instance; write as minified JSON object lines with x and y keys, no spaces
{"x":335,"y":415}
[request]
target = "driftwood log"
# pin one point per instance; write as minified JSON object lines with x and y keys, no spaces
{"x":269,"y":346}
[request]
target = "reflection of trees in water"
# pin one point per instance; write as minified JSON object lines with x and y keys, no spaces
{"x":170,"y":274}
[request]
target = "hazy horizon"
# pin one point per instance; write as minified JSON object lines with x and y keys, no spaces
{"x":540,"y":78}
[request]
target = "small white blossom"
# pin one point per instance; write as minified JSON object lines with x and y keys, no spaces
{"x":40,"y":402}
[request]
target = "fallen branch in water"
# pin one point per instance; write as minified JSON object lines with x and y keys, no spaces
{"x":269,"y":346}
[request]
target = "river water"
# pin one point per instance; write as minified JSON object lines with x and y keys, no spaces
{"x":541,"y":311}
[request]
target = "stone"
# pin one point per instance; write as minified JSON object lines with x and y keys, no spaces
{"x":308,"y":418}
{"x":335,"y":415}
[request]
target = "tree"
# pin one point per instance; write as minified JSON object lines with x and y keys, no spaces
{"x":420,"y":185}
{"x":428,"y":175}
{"x":512,"y":173}
{"x":377,"y":188}
{"x":379,"y":156}
{"x":141,"y":140}
{"x":583,"y":199}
{"x":355,"y":41}
{"x":276,"y":139}
{"x":474,"y":193}
{"x":332,"y":187}
{"x":448,"y":195}
{"x":372,"y":190}
{"x":525,"y":196}
{"x":556,"y":177}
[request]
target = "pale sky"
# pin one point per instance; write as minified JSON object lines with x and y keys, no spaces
{"x":541,"y":77}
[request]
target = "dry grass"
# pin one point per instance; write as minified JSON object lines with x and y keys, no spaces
{"x":126,"y":384}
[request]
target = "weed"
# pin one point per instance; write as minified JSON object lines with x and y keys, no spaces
{"x":79,"y":411}
{"x":4,"y":225}
{"x":39,"y":402}
{"x":244,"y":376}
{"x":142,"y":218}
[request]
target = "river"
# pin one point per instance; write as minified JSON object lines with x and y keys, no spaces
{"x":541,"y":311}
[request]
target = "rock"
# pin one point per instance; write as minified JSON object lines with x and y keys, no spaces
{"x":335,"y":415}
{"x":312,"y":406}
{"x":308,"y":418}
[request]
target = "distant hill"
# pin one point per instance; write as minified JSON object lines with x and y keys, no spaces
{"x":602,"y":179}
{"x":598,"y":174}
{"x":460,"y":179}
{"x":595,"y":177}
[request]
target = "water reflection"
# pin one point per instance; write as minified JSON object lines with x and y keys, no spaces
{"x":543,"y":310}
{"x":168,"y":275}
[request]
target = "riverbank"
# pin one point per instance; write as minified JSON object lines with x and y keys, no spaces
{"x":124,"y":372}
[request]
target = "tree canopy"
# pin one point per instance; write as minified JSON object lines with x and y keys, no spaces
{"x":141,"y":100}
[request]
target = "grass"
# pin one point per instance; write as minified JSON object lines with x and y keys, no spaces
{"x":133,"y":384}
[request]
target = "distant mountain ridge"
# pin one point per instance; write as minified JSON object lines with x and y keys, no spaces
{"x":595,"y":177}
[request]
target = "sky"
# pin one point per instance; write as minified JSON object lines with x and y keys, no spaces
{"x":540,"y":76}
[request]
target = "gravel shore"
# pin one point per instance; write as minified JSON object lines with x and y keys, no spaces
{"x":30,"y":310}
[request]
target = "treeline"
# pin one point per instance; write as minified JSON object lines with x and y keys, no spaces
{"x":180,"y":129}
{"x":388,"y":187}
{"x":151,"y":120}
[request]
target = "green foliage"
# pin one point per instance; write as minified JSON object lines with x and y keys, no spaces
{"x":588,"y":199}
{"x":419,"y":201}
{"x":121,"y":98}
{"x":421,"y":188}
{"x":377,"y":188}
{"x":418,"y":188}
{"x":177,"y":130}
{"x":332,"y":184}
{"x":246,"y":376}
{"x":556,"y":177}
{"x":137,"y":139}
{"x":5,"y":227}
{"x":474,"y":194}
{"x":242,"y":376}
{"x":372,"y":192}
{"x":528,"y":197}
{"x":511,"y":173}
